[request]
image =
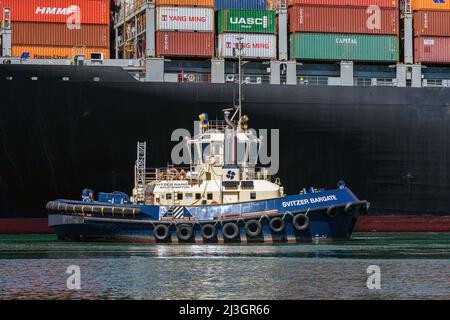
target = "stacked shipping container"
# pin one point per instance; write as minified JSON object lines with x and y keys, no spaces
{"x":431,"y":31}
{"x":240,"y":4}
{"x":363,"y":30}
{"x":185,"y":28}
{"x":255,"y":28}
{"x":47,"y":30}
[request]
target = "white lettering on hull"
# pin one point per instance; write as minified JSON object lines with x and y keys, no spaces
{"x":302,"y":202}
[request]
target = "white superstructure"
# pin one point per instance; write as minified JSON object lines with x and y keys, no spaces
{"x":223,"y":158}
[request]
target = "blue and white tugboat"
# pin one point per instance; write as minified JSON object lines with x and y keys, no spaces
{"x":217,"y":199}
{"x":221,"y":197}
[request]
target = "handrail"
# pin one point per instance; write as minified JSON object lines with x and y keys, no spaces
{"x":179,"y":173}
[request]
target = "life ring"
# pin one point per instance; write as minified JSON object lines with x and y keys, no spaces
{"x":184,"y":232}
{"x":172,"y":173}
{"x":182,"y":175}
{"x":253,"y":228}
{"x":208,"y":231}
{"x":277,"y":224}
{"x":348,"y":209}
{"x":230,"y":230}
{"x":332,"y":211}
{"x":212,"y":160}
{"x":161,"y":231}
{"x":191,"y":77}
{"x":300,"y":222}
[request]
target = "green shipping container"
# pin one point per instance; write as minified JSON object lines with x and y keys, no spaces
{"x":356,"y":47}
{"x":251,"y":21}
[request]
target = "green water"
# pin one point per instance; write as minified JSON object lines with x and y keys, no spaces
{"x":413,"y":266}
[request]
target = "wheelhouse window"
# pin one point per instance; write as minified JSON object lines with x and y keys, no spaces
{"x":206,"y":151}
{"x":195,"y":154}
{"x":216,"y":148}
{"x":209,"y":196}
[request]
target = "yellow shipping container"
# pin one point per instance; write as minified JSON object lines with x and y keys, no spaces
{"x":41,"y":52}
{"x":430,"y":5}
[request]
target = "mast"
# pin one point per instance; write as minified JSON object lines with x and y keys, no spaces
{"x":240,"y":77}
{"x":238,"y":52}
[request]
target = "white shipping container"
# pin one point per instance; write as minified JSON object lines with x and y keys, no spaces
{"x":185,"y":18}
{"x":255,"y":45}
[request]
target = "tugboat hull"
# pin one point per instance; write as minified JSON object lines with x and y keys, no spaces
{"x":320,"y":215}
{"x":313,"y":226}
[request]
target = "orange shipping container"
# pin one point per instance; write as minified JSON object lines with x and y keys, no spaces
{"x":186,"y":3}
{"x":430,"y":5}
{"x":61,"y":11}
{"x":57,"y":34}
{"x":41,"y":52}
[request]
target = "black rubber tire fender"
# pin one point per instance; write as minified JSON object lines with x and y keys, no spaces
{"x":204,"y":232}
{"x":348,"y":209}
{"x":184,"y":228}
{"x":253,"y":233}
{"x":273,"y":224}
{"x":332,"y":211}
{"x":161,"y":228}
{"x":296,"y":222}
{"x":364,"y":209}
{"x":228,"y":226}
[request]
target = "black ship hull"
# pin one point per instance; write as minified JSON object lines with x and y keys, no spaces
{"x":390,"y":145}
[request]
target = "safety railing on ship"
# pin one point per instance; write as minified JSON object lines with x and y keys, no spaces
{"x":436,"y":83}
{"x":313,"y":81}
{"x":374,"y":82}
{"x":184,"y":173}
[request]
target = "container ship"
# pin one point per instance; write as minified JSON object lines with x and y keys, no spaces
{"x":360,"y":91}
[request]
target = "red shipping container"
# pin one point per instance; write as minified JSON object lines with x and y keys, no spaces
{"x":432,"y":50}
{"x":307,"y":18}
{"x":432,"y":23}
{"x":353,"y":3}
{"x":188,"y":44}
{"x":57,"y":34}
{"x":61,"y":11}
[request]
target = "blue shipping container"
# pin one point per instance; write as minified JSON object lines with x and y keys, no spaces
{"x":240,"y":4}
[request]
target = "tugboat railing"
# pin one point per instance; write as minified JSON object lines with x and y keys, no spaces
{"x":219,"y":125}
{"x":181,"y":173}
